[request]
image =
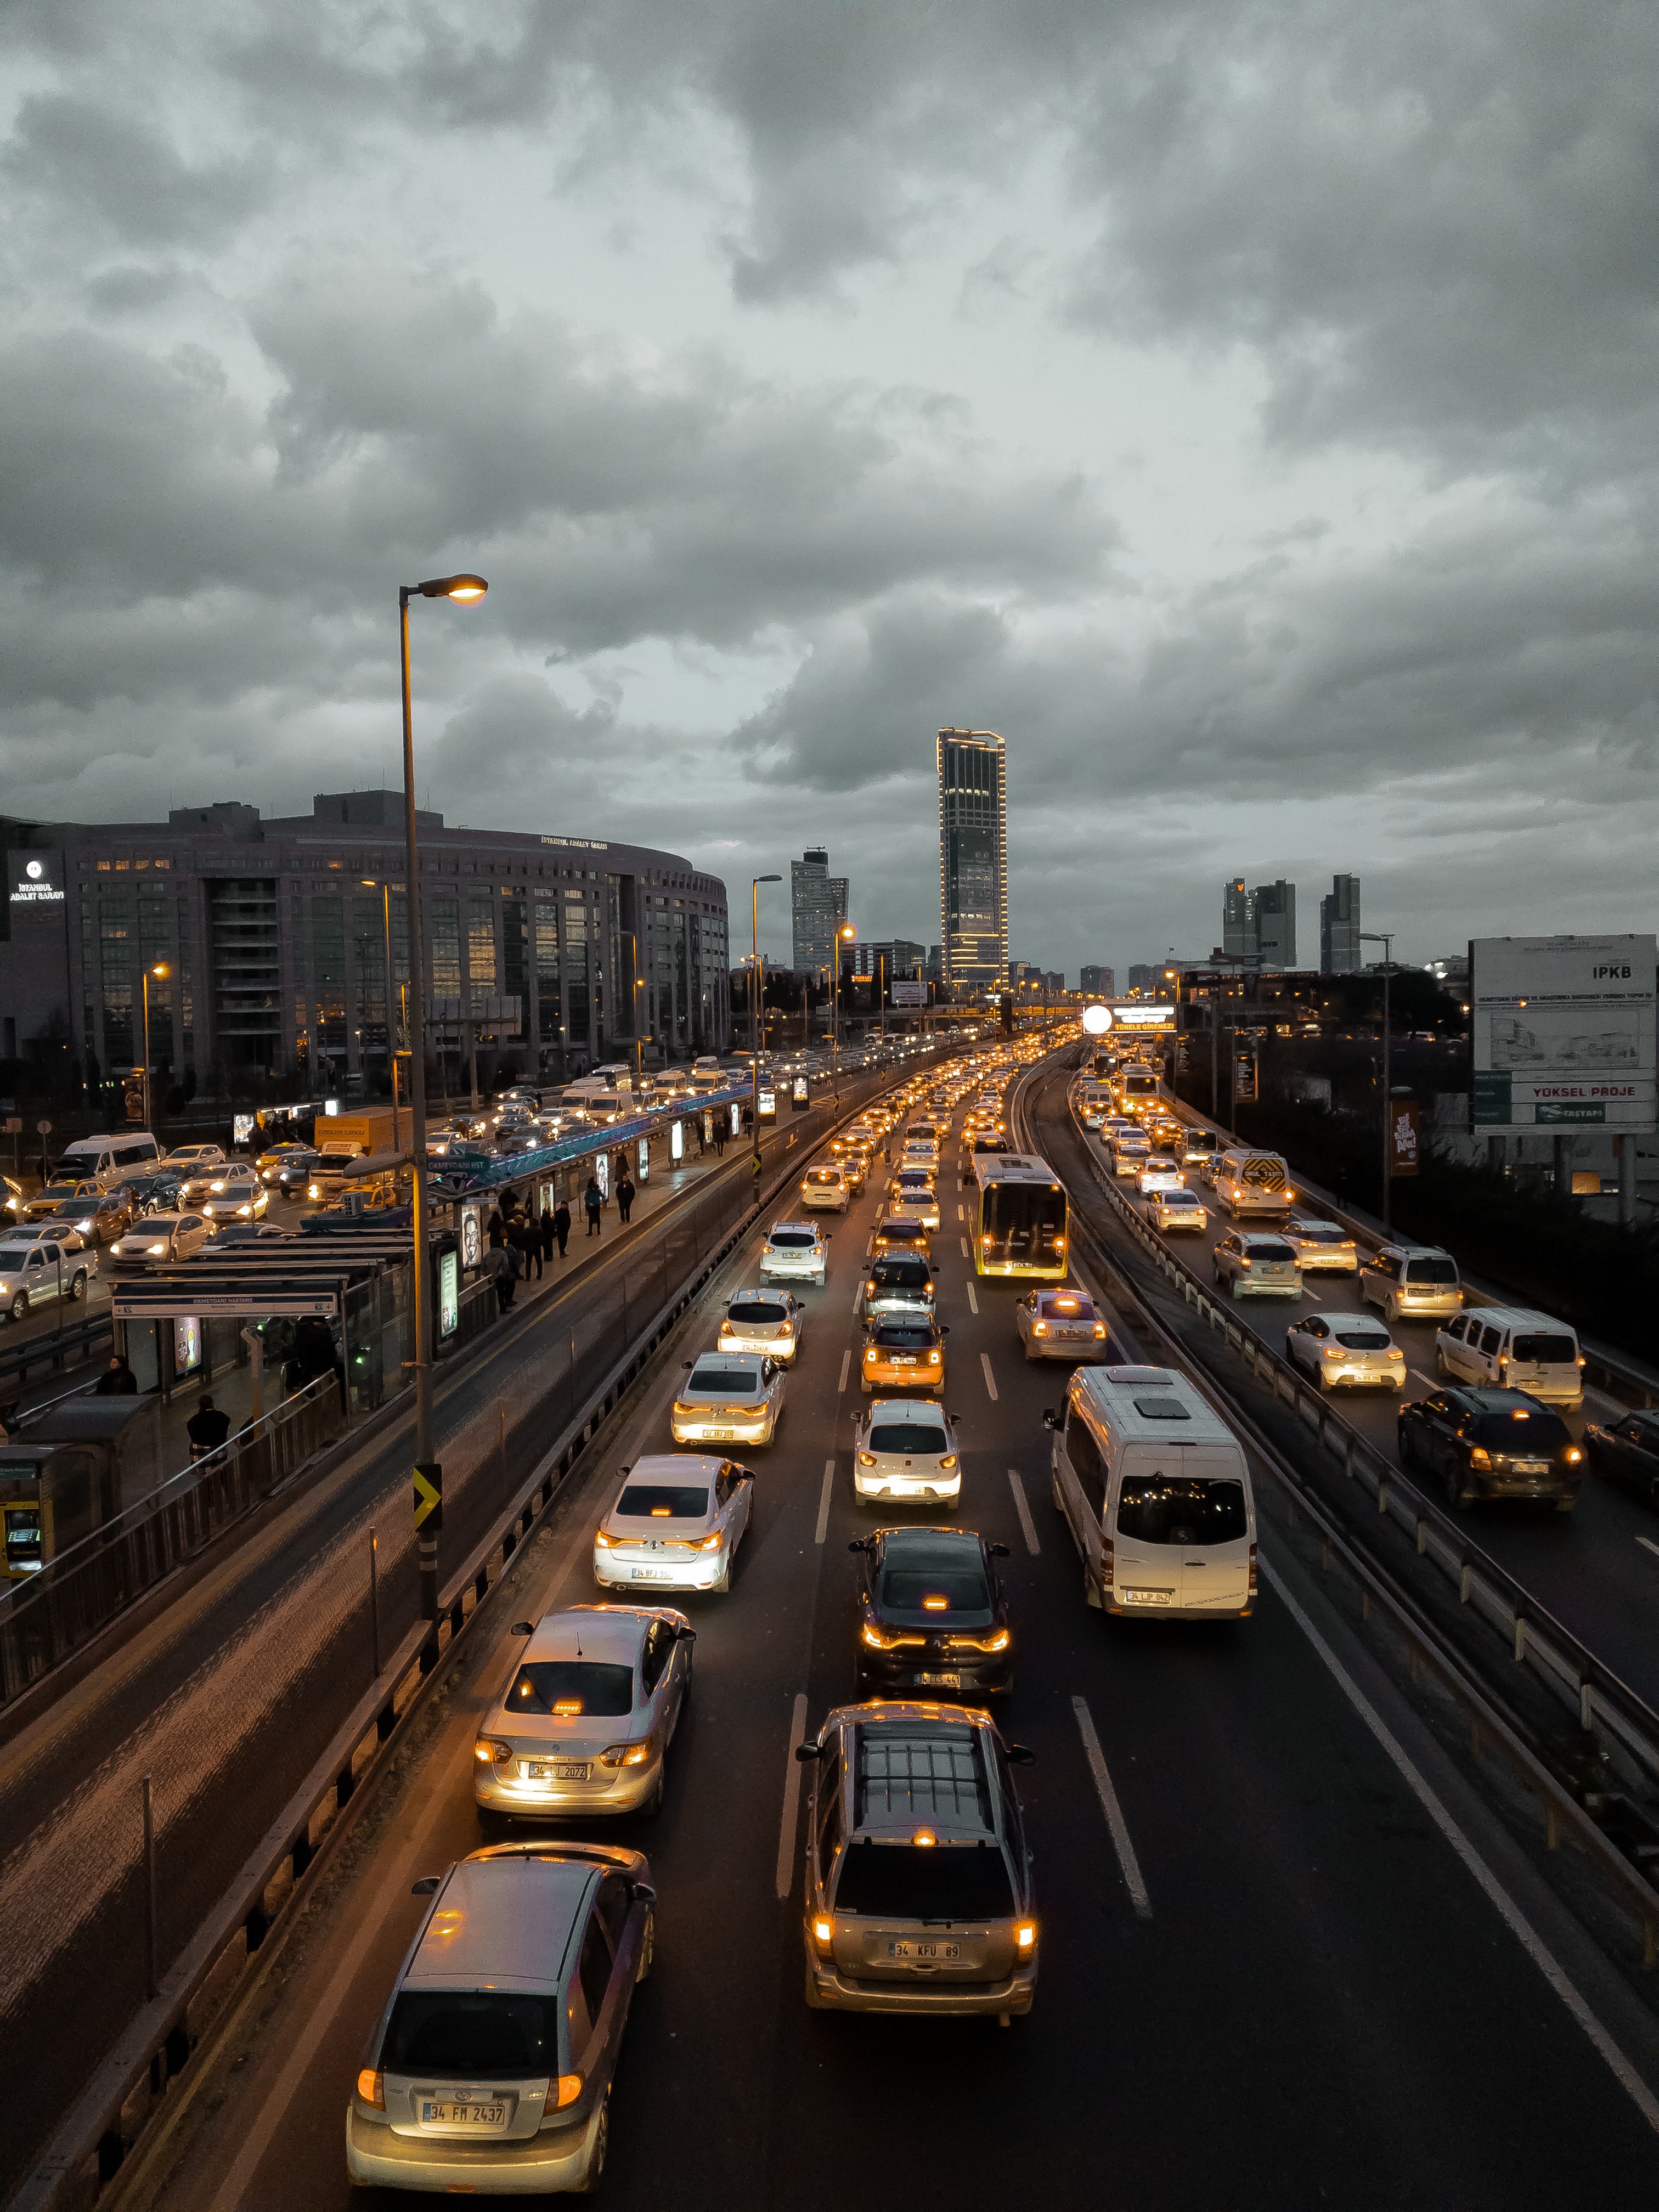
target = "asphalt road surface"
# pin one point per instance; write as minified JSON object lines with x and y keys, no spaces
{"x":1596,"y":1569}
{"x":1324,"y":1993}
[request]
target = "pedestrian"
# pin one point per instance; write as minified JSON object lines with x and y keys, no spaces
{"x":206,"y":1427}
{"x":619,"y":1170}
{"x":561,"y":1224}
{"x":495,"y":1228}
{"x":528,"y":1238}
{"x":593,"y":1198}
{"x":494,"y":1265}
{"x":719,"y":1138}
{"x":514,"y":1268}
{"x":545,"y":1232}
{"x":624,"y":1197}
{"x":117,"y":1379}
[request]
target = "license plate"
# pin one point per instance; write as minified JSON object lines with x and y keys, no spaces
{"x":1532,"y":1466}
{"x":561,"y":1770}
{"x":653,"y":1574}
{"x":1148,"y":1596}
{"x":449,"y":2113}
{"x":904,"y":1360}
{"x":720,"y":1436}
{"x":897,"y":1949}
{"x":941,"y":1681}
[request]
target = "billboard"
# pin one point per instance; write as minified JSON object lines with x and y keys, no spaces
{"x":907,"y":991}
{"x":1562,"y":1033}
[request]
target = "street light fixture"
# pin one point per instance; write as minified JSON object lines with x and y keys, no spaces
{"x":754,"y":1025}
{"x":1385,"y":938}
{"x":159,"y":968}
{"x":428,"y":1474}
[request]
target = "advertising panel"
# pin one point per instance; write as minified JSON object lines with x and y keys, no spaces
{"x":1141,"y":1014}
{"x":1562,"y":1033}
{"x":449,"y":1291}
{"x":1403,"y":1121}
{"x":907,"y":991}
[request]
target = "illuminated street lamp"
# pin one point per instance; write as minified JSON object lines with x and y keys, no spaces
{"x":754,"y":1026}
{"x":465,"y":588}
{"x":160,"y":969}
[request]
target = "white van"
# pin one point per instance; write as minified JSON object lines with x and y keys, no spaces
{"x":107,"y":1160}
{"x":1155,"y":1491}
{"x":1251,"y":1181}
{"x":1514,"y":1348}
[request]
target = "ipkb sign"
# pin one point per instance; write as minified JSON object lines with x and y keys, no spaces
{"x":1562,"y":1032}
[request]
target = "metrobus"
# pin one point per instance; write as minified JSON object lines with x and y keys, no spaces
{"x":1020,"y":1225}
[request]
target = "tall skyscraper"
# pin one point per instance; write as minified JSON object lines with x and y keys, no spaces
{"x":817,"y":908}
{"x":1097,"y":983}
{"x":1237,"y":919}
{"x":1338,"y":928}
{"x":1144,"y":979}
{"x":1275,"y":924}
{"x":973,"y":860}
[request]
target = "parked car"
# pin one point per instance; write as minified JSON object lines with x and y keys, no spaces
{"x":1491,"y":1443}
{"x":489,"y":2070}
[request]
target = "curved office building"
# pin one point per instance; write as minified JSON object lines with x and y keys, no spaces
{"x":285,"y":943}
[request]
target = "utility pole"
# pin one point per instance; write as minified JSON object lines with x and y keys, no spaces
{"x":1385,"y":938}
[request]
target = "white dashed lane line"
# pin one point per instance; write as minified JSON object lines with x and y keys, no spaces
{"x":966,"y":1254}
{"x":1648,"y":1545}
{"x":823,"y":1529}
{"x":1109,"y":1805}
{"x":990,"y":1379}
{"x":973,"y":1303}
{"x":845,"y":1362}
{"x":791,"y":1800}
{"x":1027,"y":1526}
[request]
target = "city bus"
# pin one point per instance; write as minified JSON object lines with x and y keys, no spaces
{"x":1018,"y":1217}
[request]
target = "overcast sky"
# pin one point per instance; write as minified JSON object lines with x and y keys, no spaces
{"x":1248,"y":410}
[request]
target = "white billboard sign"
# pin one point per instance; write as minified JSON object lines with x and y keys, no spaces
{"x":1562,"y":1033}
{"x":908,"y":990}
{"x":1142,"y":1014}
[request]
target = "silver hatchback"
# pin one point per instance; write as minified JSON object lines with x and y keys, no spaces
{"x":489,"y":2070}
{"x":1252,"y":1263}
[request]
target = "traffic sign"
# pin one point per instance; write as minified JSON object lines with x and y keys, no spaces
{"x":44,"y":1129}
{"x":429,"y":1498}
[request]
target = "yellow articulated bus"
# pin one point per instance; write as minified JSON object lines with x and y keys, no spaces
{"x":1019,"y":1217}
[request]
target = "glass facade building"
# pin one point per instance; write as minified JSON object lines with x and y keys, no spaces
{"x":973,"y":854}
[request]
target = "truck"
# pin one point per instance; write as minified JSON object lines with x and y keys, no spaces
{"x":41,"y":1273}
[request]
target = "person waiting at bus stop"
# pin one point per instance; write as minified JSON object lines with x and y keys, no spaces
{"x":593,"y":1198}
{"x":117,"y":1379}
{"x":206,"y":1427}
{"x":624,"y":1196}
{"x":562,"y":1225}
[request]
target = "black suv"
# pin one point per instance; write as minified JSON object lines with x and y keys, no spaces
{"x":932,"y":1616}
{"x":1626,"y":1451}
{"x":1491,"y":1443}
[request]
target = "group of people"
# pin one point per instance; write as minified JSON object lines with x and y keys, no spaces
{"x":521,"y":1243}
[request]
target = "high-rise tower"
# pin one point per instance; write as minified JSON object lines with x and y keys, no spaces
{"x":973,"y":860}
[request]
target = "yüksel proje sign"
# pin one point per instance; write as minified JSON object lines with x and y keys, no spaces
{"x":1562,"y":1033}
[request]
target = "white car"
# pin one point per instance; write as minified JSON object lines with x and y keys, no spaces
{"x":913,"y":1192}
{"x":728,"y":1398}
{"x":1175,"y":1208}
{"x":1346,"y":1347}
{"x":1060,"y":1324}
{"x":1129,"y":1155}
{"x":1160,"y":1172}
{"x":1320,"y":1245}
{"x":161,"y":1237}
{"x":584,"y":1724}
{"x":676,"y":1523}
{"x":906,"y":1447}
{"x":794,"y":1251}
{"x":237,"y":1194}
{"x":824,"y":1189}
{"x":190,"y":1159}
{"x":768,"y":1322}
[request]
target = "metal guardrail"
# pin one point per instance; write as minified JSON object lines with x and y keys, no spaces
{"x":196,"y":1988}
{"x":1572,"y":1672}
{"x":1490,"y":1728}
{"x":52,"y":1349}
{"x":73,"y":1596}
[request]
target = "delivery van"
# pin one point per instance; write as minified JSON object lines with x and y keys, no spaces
{"x":1155,"y":1491}
{"x":1251,"y":1181}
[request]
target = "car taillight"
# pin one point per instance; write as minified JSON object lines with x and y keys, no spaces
{"x":866,"y":1459}
{"x":1025,"y":1938}
{"x":566,"y":2091}
{"x":823,"y":1936}
{"x":1479,"y":1456}
{"x":949,"y":1460}
{"x":371,"y":2089}
{"x":1108,"y":1563}
{"x":625,"y":1755}
{"x":933,"y":1359}
{"x":1252,"y":1582}
{"x":602,"y":1542}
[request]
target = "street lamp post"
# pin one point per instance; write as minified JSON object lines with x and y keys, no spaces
{"x":754,"y":1026}
{"x":428,"y":1476}
{"x":1385,"y":938}
{"x":159,"y":968}
{"x":844,"y":934}
{"x":384,"y":887}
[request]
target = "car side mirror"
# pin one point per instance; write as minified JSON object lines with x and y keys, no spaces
{"x":685,"y":1635}
{"x":944,"y":1328}
{"x":522,"y":1628}
{"x":806,"y":1752}
{"x":998,"y":1551}
{"x":688,"y":1365}
{"x":641,"y":1893}
{"x":426,"y":1886}
{"x":1050,"y":1417}
{"x":859,"y":1544}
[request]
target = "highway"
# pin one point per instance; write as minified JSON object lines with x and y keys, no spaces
{"x":1596,"y":1569}
{"x":1311,"y":1920}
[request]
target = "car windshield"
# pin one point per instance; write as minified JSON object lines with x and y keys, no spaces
{"x":664,"y":1501}
{"x":569,"y":1688}
{"x":1521,"y":1431}
{"x":725,"y":1383}
{"x":1168,"y":1509}
{"x":1430,"y":1271}
{"x":758,"y":1313}
{"x":1551,"y":1350}
{"x":907,"y":1436}
{"x":791,"y":1240}
{"x":1362,"y":1340}
{"x":14,"y":1255}
{"x":908,"y":1882}
{"x":473,"y":2034}
{"x":897,"y":1338}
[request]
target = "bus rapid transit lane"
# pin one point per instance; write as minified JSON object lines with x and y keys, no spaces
{"x":1590,"y":1568}
{"x":1361,"y":2025}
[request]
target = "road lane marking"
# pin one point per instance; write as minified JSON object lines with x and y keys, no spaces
{"x":1114,"y":1812}
{"x":1519,"y":1926}
{"x":1418,"y":1376}
{"x":973,"y":1303}
{"x":845,"y":1362}
{"x":966,"y":1254}
{"x":823,"y":1529}
{"x":791,"y":1802}
{"x":1648,"y":1543}
{"x":1025,"y":1513}
{"x":961,"y":1216}
{"x":990,"y":1379}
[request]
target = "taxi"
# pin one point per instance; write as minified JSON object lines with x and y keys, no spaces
{"x":904,"y":1351}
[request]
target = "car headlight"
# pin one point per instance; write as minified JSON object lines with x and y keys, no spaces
{"x":156,"y":1250}
{"x":625,"y":1755}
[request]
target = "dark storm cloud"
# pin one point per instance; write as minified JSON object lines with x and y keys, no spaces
{"x":122,"y":176}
